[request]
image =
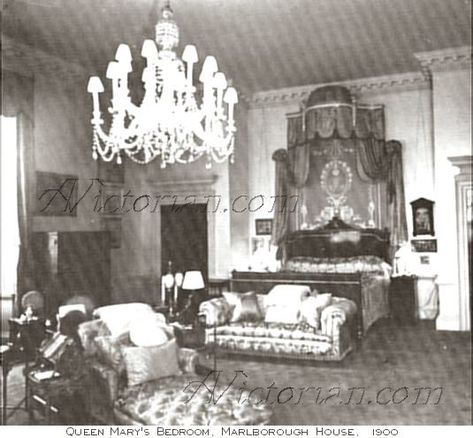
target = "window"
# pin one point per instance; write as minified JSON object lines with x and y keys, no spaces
{"x":10,"y":242}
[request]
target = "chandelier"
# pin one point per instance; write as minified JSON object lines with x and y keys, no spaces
{"x":169,"y":123}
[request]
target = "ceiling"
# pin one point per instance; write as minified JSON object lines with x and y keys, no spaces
{"x":260,"y":44}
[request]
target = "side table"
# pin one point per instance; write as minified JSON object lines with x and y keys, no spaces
{"x":56,"y":398}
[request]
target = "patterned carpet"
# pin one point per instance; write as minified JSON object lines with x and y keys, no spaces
{"x":390,"y":357}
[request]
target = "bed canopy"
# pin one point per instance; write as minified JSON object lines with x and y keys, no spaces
{"x":338,"y":164}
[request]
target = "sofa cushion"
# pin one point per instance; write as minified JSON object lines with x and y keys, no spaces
{"x":262,"y":329}
{"x":283,"y":314}
{"x":287,"y":294}
{"x":118,"y":317}
{"x":88,"y":331}
{"x":302,"y":344}
{"x":150,"y":329}
{"x":217,"y":311}
{"x":312,"y":307}
{"x":148,"y":363}
{"x":245,"y":306}
{"x":109,"y":350}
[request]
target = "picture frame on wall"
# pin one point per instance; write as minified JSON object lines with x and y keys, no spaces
{"x":263,"y":227}
{"x":424,"y":245}
{"x":423,"y":217}
{"x":56,"y":194}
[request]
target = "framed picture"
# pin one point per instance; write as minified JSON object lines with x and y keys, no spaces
{"x":56,"y":194}
{"x":427,"y":245}
{"x":111,"y":172}
{"x":264,"y":227}
{"x":114,"y":226}
{"x":423,"y":217}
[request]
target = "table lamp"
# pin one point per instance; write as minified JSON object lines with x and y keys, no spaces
{"x":193,"y":282}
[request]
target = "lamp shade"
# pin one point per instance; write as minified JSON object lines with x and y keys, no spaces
{"x":193,"y":280}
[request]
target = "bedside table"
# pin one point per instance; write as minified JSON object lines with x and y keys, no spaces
{"x":402,"y":299}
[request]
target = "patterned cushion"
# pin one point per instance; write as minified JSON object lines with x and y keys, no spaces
{"x":245,"y":306}
{"x":269,"y":345}
{"x":262,"y":329}
{"x":148,"y":363}
{"x":88,"y":331}
{"x":109,"y":350}
{"x":217,"y":311}
{"x":312,"y":308}
{"x":177,"y":401}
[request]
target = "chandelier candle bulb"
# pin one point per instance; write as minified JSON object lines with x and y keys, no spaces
{"x":170,"y":122}
{"x":95,"y":87}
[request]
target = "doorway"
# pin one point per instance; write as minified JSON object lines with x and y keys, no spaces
{"x":184,"y":238}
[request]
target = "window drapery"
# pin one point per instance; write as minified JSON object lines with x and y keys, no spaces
{"x":10,"y":242}
{"x":17,"y":101}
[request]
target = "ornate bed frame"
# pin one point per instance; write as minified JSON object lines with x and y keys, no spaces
{"x":336,"y":239}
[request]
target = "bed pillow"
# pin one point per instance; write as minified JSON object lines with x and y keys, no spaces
{"x":150,"y":363}
{"x":118,"y":317}
{"x":150,"y":329}
{"x":287,"y":294}
{"x":245,"y":306}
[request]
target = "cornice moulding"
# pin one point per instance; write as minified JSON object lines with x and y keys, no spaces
{"x":446,"y":59}
{"x":464,"y":163}
{"x":293,"y":95}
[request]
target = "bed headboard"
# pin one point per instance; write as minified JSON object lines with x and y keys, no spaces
{"x":337,"y":239}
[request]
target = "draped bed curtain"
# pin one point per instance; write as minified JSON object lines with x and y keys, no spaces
{"x":17,"y":101}
{"x":330,"y":120}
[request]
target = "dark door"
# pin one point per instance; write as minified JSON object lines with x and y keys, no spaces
{"x":184,"y":238}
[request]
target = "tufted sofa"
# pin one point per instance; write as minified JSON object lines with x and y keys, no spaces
{"x":332,"y":340}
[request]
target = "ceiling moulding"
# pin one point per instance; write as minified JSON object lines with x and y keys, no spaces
{"x":29,"y":61}
{"x":388,"y":83}
{"x":456,"y":58}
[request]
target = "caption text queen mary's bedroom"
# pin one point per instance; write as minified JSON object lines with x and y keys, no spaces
{"x":236,"y":212}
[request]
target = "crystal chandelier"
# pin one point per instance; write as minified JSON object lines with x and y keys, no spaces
{"x":169,"y":123}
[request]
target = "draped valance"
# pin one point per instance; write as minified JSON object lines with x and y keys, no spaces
{"x":330,"y":113}
{"x":336,"y":159}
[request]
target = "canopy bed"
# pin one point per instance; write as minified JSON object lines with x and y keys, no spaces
{"x":349,"y":216}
